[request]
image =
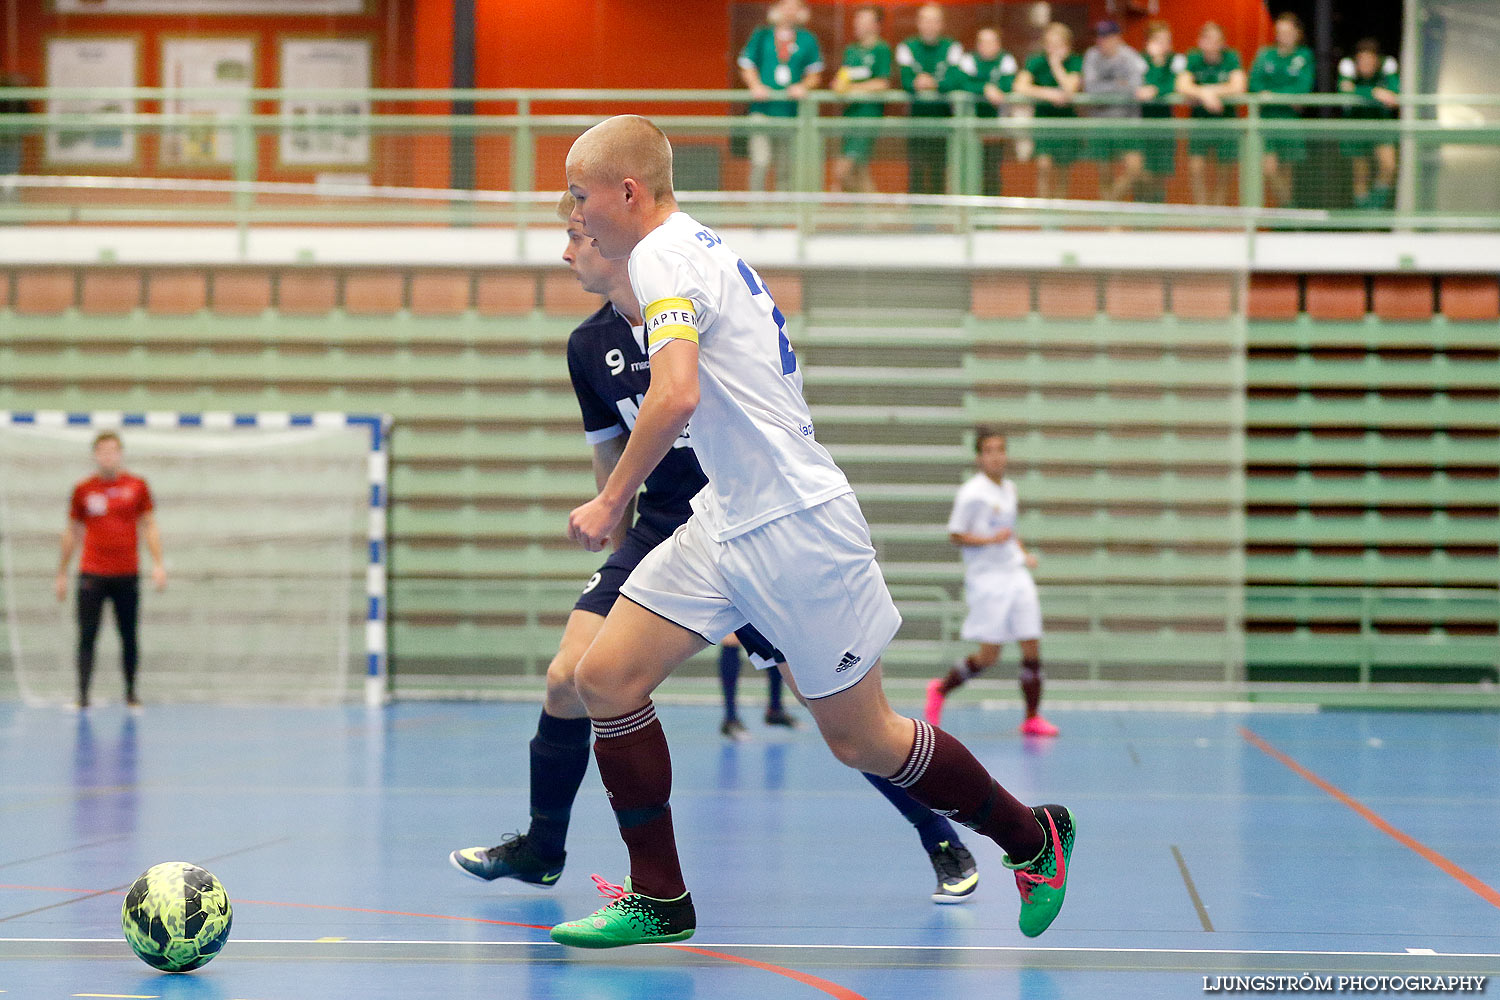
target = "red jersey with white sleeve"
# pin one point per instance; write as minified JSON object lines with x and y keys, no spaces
{"x":109,"y":510}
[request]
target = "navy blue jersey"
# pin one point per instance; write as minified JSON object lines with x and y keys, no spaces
{"x":610,"y":371}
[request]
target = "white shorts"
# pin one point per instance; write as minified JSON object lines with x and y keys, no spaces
{"x":1003,"y":607}
{"x":808,"y":580}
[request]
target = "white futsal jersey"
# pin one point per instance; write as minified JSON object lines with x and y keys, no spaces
{"x":752,"y":431}
{"x":984,"y":507}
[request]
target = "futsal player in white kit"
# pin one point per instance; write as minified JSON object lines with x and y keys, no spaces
{"x":1002,"y":598}
{"x":776,"y":536}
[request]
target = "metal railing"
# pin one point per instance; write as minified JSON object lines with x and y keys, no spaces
{"x":254,"y":162}
{"x":1403,"y":627}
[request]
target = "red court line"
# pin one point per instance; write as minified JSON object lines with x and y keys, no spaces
{"x":822,"y":985}
{"x":1464,"y":878}
{"x":832,"y":989}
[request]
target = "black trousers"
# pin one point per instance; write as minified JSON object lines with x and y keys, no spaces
{"x":994,"y":155}
{"x":124,"y":592}
{"x":927,"y":163}
{"x":927,"y":155}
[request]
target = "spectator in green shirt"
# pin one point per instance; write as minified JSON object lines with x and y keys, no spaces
{"x":1159,"y":149}
{"x":989,"y":73}
{"x":1212,"y":73}
{"x":1051,"y":78}
{"x":781,"y":60}
{"x":924,"y":60}
{"x":1375,"y":78}
{"x":866,"y":70}
{"x":1283,"y":68}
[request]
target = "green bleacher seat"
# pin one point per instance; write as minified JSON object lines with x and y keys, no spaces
{"x":1370,"y":488}
{"x":1371,"y":332}
{"x":1374,"y":371}
{"x":1372,"y":448}
{"x":1437,"y":411}
{"x":1124,"y":438}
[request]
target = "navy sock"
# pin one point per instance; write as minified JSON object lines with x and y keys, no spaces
{"x":931,"y":828}
{"x":775,"y":690}
{"x":729,"y":679}
{"x":559,"y":760}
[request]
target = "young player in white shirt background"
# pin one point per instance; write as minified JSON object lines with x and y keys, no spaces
{"x":1002,"y":597}
{"x":776,"y":537}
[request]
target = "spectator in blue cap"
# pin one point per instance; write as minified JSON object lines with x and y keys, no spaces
{"x":1113,"y":69}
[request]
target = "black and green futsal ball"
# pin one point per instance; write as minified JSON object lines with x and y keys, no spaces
{"x":176,"y":917}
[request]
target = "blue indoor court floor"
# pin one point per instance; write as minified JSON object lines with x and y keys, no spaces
{"x":1211,"y":843}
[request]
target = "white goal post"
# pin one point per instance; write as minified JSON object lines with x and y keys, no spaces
{"x":274,"y":536}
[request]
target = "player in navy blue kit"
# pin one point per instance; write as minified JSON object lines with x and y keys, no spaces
{"x":610,"y":371}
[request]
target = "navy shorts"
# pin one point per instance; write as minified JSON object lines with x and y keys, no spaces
{"x":603,"y":588}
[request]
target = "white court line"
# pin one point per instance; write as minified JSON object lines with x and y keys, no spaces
{"x":1407,"y":953}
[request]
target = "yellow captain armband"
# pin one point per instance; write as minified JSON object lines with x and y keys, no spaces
{"x":670,"y":319}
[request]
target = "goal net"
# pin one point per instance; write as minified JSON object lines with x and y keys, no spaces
{"x":272,"y":530}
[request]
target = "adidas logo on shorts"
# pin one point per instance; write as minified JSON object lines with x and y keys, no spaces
{"x":848,"y":661}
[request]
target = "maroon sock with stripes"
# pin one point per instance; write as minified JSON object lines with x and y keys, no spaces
{"x":941,"y":774}
{"x":1031,"y":685}
{"x":636,"y":767}
{"x":962,"y":671}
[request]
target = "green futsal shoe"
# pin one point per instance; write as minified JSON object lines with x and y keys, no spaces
{"x":629,"y":918}
{"x":1044,"y":879}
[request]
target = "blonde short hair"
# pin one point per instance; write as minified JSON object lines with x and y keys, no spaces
{"x":565,"y":206}
{"x":626,"y":146}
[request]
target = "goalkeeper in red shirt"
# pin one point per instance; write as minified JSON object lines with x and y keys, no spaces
{"x":107,"y":511}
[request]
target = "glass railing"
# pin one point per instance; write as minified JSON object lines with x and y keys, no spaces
{"x":394,"y":157}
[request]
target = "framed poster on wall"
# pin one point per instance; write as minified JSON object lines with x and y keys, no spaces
{"x":91,"y":62}
{"x":224,"y":64}
{"x":325,"y":64}
{"x":292,"y":7}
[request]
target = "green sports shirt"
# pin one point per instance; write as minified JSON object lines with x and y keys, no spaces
{"x":1212,"y":74}
{"x":867,"y":62}
{"x":1042,"y":75}
{"x":779,"y":73}
{"x":1387,"y":77}
{"x":915,"y":56}
{"x":1277,"y":72}
{"x":973,"y":74}
{"x":1163,"y":76}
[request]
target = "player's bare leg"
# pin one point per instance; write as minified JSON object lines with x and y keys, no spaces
{"x":1359,"y":181}
{"x":938,"y":689}
{"x":1198,"y":177}
{"x":1221,"y":176}
{"x":843,"y":174}
{"x":559,"y":760}
{"x":1278,"y":180}
{"x":1132,"y":168}
{"x":1044,"y":174}
{"x":562,"y":700}
{"x":634,"y":652}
